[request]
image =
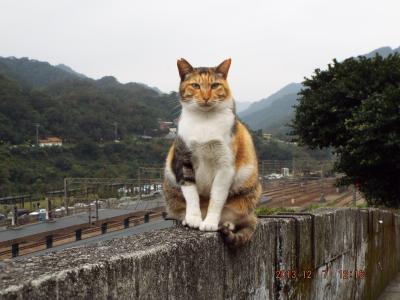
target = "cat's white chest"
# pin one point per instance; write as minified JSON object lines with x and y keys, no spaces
{"x":201,"y":128}
{"x":209,"y":140}
{"x":196,"y":129}
{"x":207,"y":159}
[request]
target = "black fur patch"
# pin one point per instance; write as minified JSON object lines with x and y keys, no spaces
{"x":234,"y":110}
{"x":182,"y":163}
{"x":244,"y":192}
{"x":234,"y":127}
{"x":202,"y":70}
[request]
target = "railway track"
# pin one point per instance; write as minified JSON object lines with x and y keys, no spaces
{"x":300,"y":193}
{"x":67,"y":235}
{"x":345,"y":199}
{"x":279,"y":194}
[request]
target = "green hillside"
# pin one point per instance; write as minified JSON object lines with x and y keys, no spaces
{"x":26,"y":169}
{"x":255,"y":107}
{"x":73,"y":107}
{"x":32,"y":73}
{"x":274,"y":118}
{"x":82,"y":111}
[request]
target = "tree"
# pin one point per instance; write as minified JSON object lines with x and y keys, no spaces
{"x":354,"y":107}
{"x":87,"y":149}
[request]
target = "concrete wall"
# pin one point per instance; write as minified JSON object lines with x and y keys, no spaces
{"x":180,"y":263}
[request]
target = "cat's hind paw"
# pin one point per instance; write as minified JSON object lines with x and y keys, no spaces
{"x":229,"y":225}
{"x":192,"y":221}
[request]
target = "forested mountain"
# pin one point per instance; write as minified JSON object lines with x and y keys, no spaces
{"x":292,"y":88}
{"x":32,"y":73}
{"x":242,"y":106}
{"x":71,"y":106}
{"x":82,"y":111}
{"x":383,"y":51}
{"x":273,"y":118}
{"x":273,"y":113}
{"x":70,"y":70}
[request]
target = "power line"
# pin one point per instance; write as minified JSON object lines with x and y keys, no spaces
{"x":37,"y":133}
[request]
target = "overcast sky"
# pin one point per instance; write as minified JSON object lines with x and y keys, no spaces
{"x":271,"y":43}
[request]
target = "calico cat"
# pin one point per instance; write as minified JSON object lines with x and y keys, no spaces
{"x":211,"y":172}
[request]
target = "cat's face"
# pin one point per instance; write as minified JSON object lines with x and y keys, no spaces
{"x":204,"y":88}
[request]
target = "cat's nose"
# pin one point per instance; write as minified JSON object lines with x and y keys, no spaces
{"x":206,"y":97}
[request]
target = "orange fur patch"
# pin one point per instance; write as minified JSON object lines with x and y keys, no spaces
{"x":243,"y":149}
{"x":204,"y":85}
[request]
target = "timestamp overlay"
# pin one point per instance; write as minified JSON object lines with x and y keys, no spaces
{"x":344,"y":274}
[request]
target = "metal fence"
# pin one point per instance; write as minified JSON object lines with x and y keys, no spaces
{"x":296,"y":168}
{"x":278,"y":178}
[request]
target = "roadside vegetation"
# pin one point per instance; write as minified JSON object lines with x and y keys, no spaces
{"x":353,"y":108}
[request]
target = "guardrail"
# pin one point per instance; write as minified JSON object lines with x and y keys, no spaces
{"x":46,"y":240}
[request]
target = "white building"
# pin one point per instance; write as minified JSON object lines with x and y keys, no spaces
{"x":50,"y":141}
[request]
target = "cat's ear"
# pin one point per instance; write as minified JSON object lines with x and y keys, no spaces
{"x":184,"y":68}
{"x":223,"y":67}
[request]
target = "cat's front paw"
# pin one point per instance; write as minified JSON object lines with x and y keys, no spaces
{"x":209,"y":224}
{"x":192,"y":221}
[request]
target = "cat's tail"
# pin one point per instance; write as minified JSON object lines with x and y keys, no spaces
{"x":243,"y":233}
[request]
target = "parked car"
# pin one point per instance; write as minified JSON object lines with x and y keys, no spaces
{"x":99,"y":202}
{"x":60,"y":209}
{"x":273,"y":176}
{"x":20,"y":212}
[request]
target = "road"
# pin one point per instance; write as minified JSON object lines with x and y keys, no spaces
{"x":78,"y":219}
{"x":157,"y":224}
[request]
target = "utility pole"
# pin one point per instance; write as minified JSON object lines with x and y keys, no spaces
{"x":37,"y":133}
{"x":66,"y":195}
{"x":293,"y":166}
{"x":140,"y":184}
{"x":115,"y":131}
{"x":354,"y":200}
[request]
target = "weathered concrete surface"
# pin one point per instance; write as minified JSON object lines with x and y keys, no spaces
{"x":180,"y":263}
{"x":392,"y":291}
